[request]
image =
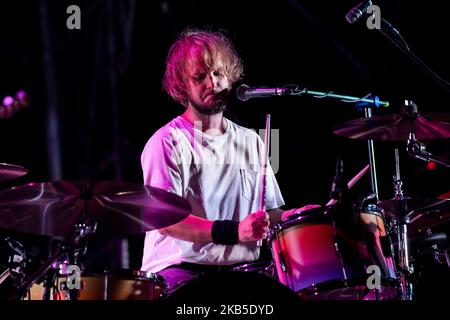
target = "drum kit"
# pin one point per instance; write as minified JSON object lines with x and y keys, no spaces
{"x":340,"y":251}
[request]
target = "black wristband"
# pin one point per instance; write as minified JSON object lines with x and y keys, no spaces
{"x":225,"y":232}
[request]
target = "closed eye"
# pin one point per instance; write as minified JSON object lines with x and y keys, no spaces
{"x":199,"y":77}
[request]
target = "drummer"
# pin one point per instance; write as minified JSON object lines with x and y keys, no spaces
{"x":210,"y":161}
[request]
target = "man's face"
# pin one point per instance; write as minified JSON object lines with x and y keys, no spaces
{"x":208,"y":88}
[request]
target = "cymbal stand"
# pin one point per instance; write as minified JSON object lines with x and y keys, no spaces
{"x":401,"y":227}
{"x":75,"y":257}
{"x":48,"y":271}
{"x":373,"y":170}
{"x":26,"y":284}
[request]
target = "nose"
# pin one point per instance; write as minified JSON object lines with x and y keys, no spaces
{"x":213,"y":81}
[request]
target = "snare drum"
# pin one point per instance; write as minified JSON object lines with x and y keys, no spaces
{"x":321,"y":257}
{"x":118,"y":285}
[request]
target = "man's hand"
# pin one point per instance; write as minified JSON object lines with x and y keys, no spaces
{"x":254,"y":227}
{"x":286,"y":214}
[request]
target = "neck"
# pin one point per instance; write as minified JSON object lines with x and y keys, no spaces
{"x":215,"y":124}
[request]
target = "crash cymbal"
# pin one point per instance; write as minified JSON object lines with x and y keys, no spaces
{"x":422,"y":213}
{"x":54,"y":208}
{"x":10,"y":171}
{"x":396,"y":127}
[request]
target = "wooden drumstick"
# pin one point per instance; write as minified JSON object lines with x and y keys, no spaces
{"x":265,"y":162}
{"x":351,"y":183}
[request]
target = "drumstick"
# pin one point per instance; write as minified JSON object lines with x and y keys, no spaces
{"x":265,"y":161}
{"x":351,"y":183}
{"x":264,"y":164}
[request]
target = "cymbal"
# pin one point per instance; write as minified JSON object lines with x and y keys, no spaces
{"x":54,"y":208}
{"x":10,"y":171}
{"x":422,"y":212}
{"x":396,"y":127}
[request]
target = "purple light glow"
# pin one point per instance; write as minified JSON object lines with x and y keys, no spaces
{"x":21,"y":95}
{"x":8,"y":101}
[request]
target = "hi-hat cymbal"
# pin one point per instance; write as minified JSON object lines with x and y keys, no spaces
{"x":422,"y":213}
{"x":54,"y":208}
{"x":10,"y":171}
{"x":396,"y":127}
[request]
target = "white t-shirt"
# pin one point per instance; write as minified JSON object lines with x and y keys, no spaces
{"x":218,"y":175}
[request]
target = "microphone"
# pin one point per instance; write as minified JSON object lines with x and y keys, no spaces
{"x":357,"y":12}
{"x":244,"y":92}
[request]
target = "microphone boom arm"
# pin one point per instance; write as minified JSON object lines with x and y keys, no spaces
{"x":244,"y":93}
{"x":367,"y":100}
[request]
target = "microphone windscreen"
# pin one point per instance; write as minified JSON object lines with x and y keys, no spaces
{"x":240,"y":92}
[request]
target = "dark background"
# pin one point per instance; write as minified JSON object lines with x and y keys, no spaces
{"x":103,"y":85}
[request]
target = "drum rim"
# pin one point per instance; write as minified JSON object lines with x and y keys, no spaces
{"x":261,"y":264}
{"x":124,"y":274}
{"x":317,"y":214}
{"x":320,"y":215}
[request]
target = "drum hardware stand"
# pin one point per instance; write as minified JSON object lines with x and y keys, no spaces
{"x":338,"y":191}
{"x":401,"y":227}
{"x":77,"y":253}
{"x":439,"y":256}
{"x":416,"y":148}
{"x":26,"y":284}
{"x":47,"y":269}
{"x":18,"y":262}
{"x":373,"y":170}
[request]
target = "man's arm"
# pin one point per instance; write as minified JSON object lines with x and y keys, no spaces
{"x":195,"y":229}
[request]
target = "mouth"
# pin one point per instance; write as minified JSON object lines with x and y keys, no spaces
{"x":209,"y":94}
{"x":209,"y":97}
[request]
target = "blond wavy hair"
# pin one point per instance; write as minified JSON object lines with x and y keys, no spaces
{"x":192,"y":47}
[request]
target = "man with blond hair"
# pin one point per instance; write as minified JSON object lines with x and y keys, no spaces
{"x":210,"y":161}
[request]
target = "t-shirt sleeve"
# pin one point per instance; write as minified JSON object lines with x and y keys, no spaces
{"x":160,"y":165}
